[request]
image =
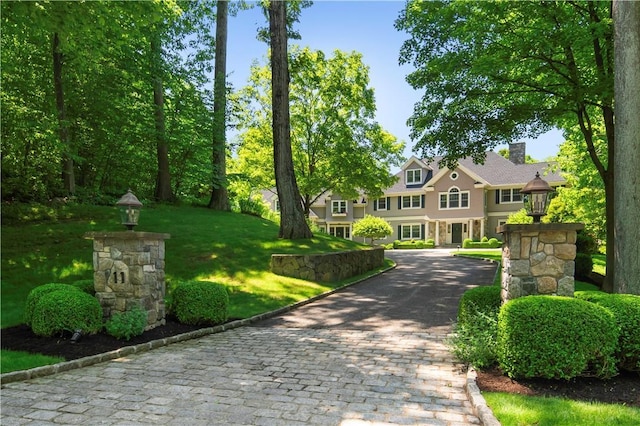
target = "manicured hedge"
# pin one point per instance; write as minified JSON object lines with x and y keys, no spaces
{"x":413,"y":244}
{"x":556,"y":337}
{"x":484,"y":244}
{"x":36,"y":294}
{"x":66,"y":310}
{"x":200,"y":303}
{"x":626,"y":311}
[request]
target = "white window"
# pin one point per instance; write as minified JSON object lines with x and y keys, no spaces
{"x":382,"y":203}
{"x":414,"y":176}
{"x":510,"y":196}
{"x":339,"y":207}
{"x":454,"y":199}
{"x":277,"y":205}
{"x":411,"y":232}
{"x":411,"y":202}
{"x":341,"y":231}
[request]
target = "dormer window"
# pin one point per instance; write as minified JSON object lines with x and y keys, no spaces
{"x":413,"y":176}
{"x":339,"y":207}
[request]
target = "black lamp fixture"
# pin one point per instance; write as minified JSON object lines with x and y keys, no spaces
{"x":536,"y":197}
{"x":129,"y":210}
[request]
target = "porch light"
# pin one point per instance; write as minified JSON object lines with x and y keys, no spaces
{"x":129,"y":210}
{"x":536,"y":197}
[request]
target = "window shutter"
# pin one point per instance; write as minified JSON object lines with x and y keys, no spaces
{"x":422,"y":201}
{"x":375,"y":205}
{"x":399,"y":232}
{"x":497,"y":196}
{"x":399,"y":202}
{"x":422,"y":235}
{"x":388,"y":203}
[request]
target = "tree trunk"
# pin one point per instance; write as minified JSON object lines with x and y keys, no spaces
{"x":626,"y":19}
{"x":292,"y":221}
{"x":68,"y":174}
{"x":163,"y":179}
{"x":219,"y":194}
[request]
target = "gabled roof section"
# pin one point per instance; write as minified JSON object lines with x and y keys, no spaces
{"x":498,"y":171}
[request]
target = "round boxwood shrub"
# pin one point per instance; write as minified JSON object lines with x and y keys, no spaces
{"x":466,"y":243}
{"x":36,"y":294}
{"x":60,"y":311}
{"x":85,"y":285}
{"x":200,"y":303}
{"x":485,"y":299}
{"x":125,"y":325}
{"x":556,"y":337}
{"x":584,"y":265}
{"x":494,"y":243}
{"x":626,"y":311}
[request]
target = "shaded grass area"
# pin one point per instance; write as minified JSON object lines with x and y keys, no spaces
{"x":514,"y":409}
{"x":225,"y":247}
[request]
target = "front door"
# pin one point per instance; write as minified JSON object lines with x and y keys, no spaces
{"x":456,"y":233}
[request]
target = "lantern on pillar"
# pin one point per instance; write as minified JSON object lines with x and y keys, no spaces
{"x":129,"y":206}
{"x":536,"y":197}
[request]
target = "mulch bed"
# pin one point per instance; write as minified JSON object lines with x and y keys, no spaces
{"x":622,"y":389}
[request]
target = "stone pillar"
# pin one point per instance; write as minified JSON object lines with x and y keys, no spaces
{"x":538,"y":259}
{"x":128,"y":271}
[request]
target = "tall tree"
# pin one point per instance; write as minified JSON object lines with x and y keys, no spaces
{"x":163,"y":190}
{"x":626,"y":15}
{"x":68,"y":173}
{"x":292,"y":220}
{"x":494,"y":72}
{"x":337,"y":145}
{"x":219,"y":194}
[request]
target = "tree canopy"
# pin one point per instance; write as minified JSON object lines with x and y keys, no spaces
{"x":337,"y":144}
{"x":494,"y":72}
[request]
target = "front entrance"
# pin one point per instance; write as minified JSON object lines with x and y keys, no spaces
{"x":341,"y":231}
{"x":456,"y":233}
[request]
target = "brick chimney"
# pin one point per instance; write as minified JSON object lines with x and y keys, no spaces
{"x":517,"y":152}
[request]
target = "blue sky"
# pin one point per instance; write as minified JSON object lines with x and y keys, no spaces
{"x":366,"y":27}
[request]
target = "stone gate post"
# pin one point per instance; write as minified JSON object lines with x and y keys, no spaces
{"x":538,"y":258}
{"x":128,"y":271}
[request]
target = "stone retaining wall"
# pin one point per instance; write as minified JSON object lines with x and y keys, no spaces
{"x":327,"y":267}
{"x":538,"y":259}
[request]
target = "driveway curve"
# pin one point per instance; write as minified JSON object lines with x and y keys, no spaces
{"x":372,"y":353}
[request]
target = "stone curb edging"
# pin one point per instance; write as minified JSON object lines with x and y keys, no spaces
{"x":47,"y":370}
{"x":478,"y":403}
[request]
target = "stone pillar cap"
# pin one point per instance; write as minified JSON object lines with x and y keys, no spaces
{"x":127,"y":235}
{"x":539,"y":227}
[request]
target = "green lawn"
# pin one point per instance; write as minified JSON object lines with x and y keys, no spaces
{"x":229,"y":248}
{"x":512,"y":409}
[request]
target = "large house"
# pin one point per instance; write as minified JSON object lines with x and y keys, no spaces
{"x":429,"y":202}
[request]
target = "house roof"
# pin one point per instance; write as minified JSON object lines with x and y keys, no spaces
{"x":498,"y":171}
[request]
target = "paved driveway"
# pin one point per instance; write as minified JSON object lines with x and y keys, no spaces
{"x":371,"y":354}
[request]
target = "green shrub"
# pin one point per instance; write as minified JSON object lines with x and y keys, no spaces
{"x":125,"y":325}
{"x":36,"y":294}
{"x":389,"y":246}
{"x":485,"y":299}
{"x":585,"y":243}
{"x":85,"y":285}
{"x":626,"y":311}
{"x":431,"y":242}
{"x":475,"y":334}
{"x":200,"y":303}
{"x":556,"y":337}
{"x":485,"y":243}
{"x":475,"y":342}
{"x":60,"y":311}
{"x":494,"y":243}
{"x":584,"y":265}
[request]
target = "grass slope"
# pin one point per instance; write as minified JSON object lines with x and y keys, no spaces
{"x":230,"y":248}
